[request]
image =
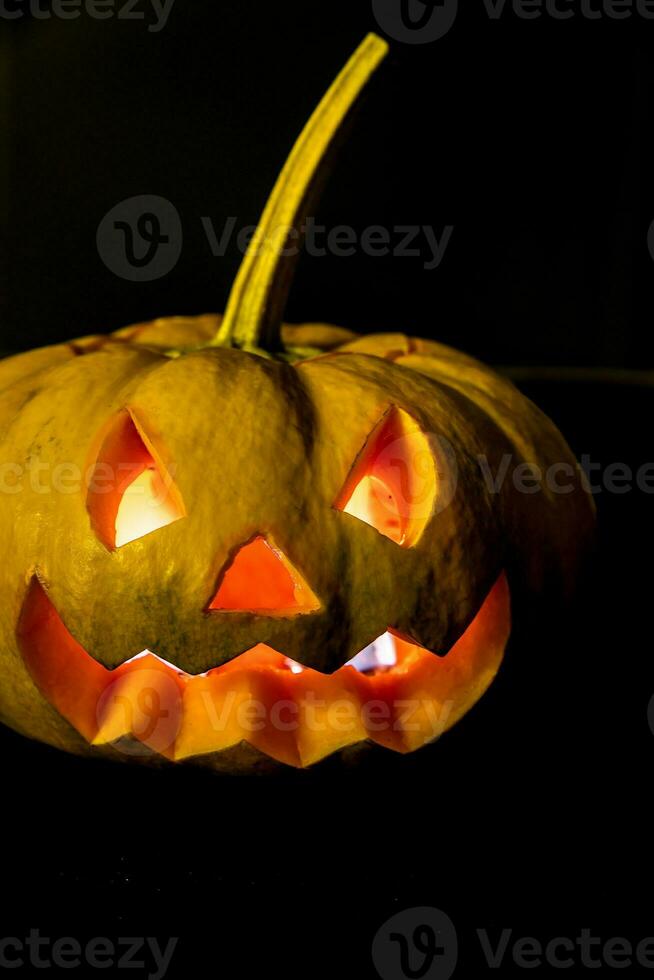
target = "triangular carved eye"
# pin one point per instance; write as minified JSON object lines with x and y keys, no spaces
{"x":392,"y":484}
{"x":261,"y":579}
{"x":131,"y":493}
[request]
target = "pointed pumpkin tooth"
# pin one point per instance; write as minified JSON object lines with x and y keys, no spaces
{"x":249,"y":701}
{"x":419,"y":706}
{"x":60,"y":666}
{"x":273,"y":725}
{"x":211,"y":711}
{"x":143,"y":700}
{"x":401,"y":708}
{"x":378,"y":697}
{"x":329,"y":713}
{"x":428,"y":694}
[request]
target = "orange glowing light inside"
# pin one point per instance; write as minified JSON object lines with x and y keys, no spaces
{"x":145,"y":506}
{"x":131,"y":492}
{"x":374,"y":502}
{"x":393,"y":483}
{"x":261,"y":579}
{"x":180,"y":715}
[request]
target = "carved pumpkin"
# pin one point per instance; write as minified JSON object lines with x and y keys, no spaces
{"x":224,"y":538}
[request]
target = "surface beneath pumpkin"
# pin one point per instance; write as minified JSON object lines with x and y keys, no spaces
{"x":294,"y":714}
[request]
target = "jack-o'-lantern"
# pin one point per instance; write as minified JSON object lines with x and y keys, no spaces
{"x":226,"y":538}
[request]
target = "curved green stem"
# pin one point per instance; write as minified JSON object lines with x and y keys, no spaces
{"x":256,"y":303}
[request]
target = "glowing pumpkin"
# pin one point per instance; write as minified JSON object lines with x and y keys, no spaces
{"x":225,"y":538}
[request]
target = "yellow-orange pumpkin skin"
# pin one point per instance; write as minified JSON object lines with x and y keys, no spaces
{"x":258,"y":446}
{"x":333,"y":528}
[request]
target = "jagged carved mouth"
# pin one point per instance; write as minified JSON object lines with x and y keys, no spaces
{"x":394,"y":692}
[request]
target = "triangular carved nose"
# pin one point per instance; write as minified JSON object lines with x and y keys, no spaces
{"x":261,"y":579}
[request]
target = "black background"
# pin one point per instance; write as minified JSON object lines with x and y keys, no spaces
{"x":524,"y":135}
{"x":528,"y":138}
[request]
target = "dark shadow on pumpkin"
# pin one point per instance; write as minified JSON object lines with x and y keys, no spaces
{"x":394,"y":692}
